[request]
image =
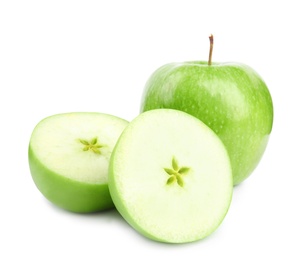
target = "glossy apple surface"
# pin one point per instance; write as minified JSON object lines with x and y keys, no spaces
{"x":69,"y":159}
{"x":231,"y":98}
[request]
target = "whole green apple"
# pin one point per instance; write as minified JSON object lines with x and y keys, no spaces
{"x":231,"y":98}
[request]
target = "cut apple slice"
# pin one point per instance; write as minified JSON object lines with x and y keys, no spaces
{"x":69,"y":158}
{"x":170,"y":177}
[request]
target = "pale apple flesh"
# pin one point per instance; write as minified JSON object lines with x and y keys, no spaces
{"x":69,"y":158}
{"x":170,"y":177}
{"x":231,"y":98}
{"x":67,"y":193}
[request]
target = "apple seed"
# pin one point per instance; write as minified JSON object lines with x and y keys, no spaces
{"x":176,"y":173}
{"x":92,"y":145}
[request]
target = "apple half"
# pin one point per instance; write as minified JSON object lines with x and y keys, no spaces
{"x":69,"y":159}
{"x":170,"y":177}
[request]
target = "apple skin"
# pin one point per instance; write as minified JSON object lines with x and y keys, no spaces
{"x":231,"y":98}
{"x":66,"y":193}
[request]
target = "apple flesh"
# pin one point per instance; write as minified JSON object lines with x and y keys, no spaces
{"x":69,"y":159}
{"x":170,"y":177}
{"x":231,"y":98}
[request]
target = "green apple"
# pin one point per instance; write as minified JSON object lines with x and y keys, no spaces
{"x":69,"y":159}
{"x":231,"y":98}
{"x":170,"y":177}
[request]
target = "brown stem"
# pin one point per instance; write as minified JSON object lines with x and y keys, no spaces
{"x":211,"y":37}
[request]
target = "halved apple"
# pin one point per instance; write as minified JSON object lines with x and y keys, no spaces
{"x":69,"y":158}
{"x":170,"y":177}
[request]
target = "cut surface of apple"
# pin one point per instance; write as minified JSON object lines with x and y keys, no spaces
{"x":170,"y":177}
{"x":69,"y":159}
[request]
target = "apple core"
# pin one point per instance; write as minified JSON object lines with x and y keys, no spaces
{"x":176,"y":173}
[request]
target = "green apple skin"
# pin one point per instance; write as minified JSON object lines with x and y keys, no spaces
{"x":66,"y":193}
{"x":231,"y":98}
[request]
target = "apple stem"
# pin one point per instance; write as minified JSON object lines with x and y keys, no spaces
{"x":211,"y":37}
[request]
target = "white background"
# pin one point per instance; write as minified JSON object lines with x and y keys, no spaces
{"x":64,"y":56}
